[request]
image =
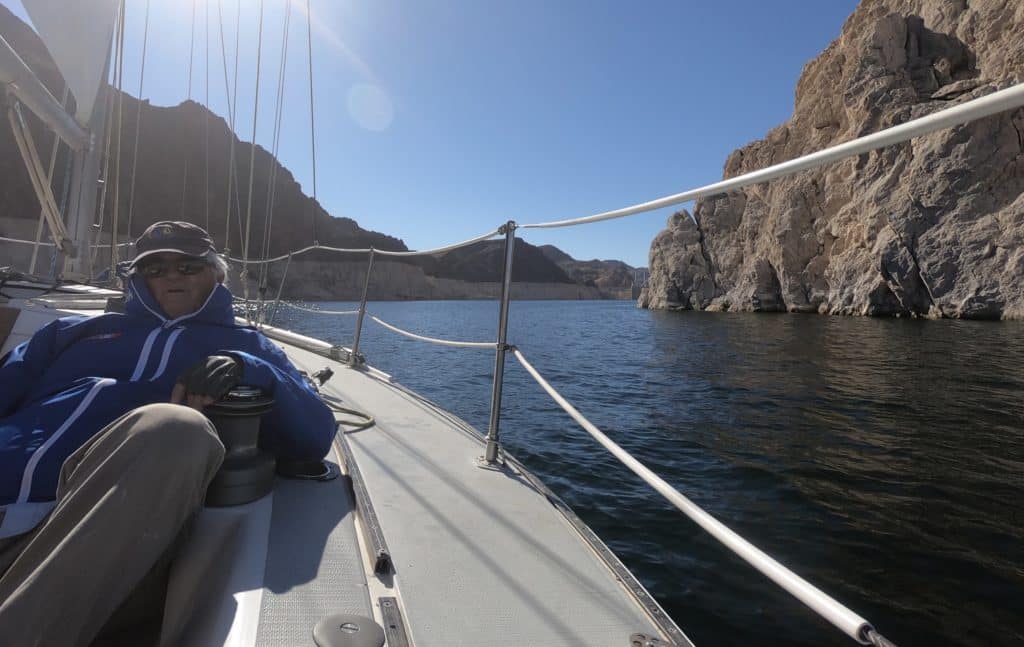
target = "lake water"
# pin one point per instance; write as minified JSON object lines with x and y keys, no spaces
{"x":881,"y":459}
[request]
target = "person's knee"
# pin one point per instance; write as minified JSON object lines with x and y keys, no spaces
{"x":179,"y":433}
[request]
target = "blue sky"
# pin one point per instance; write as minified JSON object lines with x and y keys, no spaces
{"x":437,"y":121}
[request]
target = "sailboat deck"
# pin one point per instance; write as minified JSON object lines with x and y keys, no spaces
{"x":481,"y":556}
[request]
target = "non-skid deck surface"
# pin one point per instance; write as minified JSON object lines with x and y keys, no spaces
{"x":481,"y":557}
{"x":313,"y":567}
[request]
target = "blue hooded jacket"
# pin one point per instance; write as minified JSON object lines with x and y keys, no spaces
{"x":78,"y":374}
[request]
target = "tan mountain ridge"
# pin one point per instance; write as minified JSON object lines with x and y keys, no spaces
{"x":181,"y":173}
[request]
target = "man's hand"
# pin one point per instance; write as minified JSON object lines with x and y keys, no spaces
{"x":207,"y":381}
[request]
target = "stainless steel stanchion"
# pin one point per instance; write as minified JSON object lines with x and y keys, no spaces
{"x":353,"y":360}
{"x":493,"y":445}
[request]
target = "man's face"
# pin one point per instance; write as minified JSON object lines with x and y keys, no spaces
{"x":179,"y":283}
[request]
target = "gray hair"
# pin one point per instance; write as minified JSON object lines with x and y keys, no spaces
{"x":220,"y":266}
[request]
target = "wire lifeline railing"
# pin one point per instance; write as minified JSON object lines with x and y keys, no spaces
{"x":846,"y":620}
{"x":988,"y":105}
{"x":999,"y":101}
{"x":824,"y":605}
{"x":840,"y":616}
{"x":316,"y":311}
{"x":381,"y":252}
{"x":434,"y":340}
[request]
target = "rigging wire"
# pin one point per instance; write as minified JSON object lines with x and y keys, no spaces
{"x":268,"y":219}
{"x":49,"y":180}
{"x":231,"y":122}
{"x":116,"y":216}
{"x":232,"y":100}
{"x":312,"y":123}
{"x":252,"y":157}
{"x":111,"y":103}
{"x":138,"y":119}
{"x":206,"y":119}
{"x":366,"y":250}
{"x":191,"y":54}
{"x":434,"y":340}
{"x":280,"y":287}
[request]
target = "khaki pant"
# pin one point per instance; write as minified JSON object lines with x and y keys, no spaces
{"x":122,"y":500}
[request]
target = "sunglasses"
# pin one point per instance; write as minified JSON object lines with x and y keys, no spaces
{"x":185,"y":268}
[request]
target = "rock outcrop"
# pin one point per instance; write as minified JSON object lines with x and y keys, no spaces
{"x":933,"y":227}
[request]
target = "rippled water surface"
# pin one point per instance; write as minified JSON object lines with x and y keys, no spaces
{"x":881,"y":459}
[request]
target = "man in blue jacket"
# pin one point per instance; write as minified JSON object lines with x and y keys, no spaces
{"x":104,"y":454}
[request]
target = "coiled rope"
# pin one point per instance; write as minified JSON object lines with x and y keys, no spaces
{"x":365,"y":420}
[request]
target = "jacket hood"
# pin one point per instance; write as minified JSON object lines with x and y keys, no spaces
{"x":139,"y":302}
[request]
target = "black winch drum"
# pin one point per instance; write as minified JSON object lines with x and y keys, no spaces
{"x":247,"y":472}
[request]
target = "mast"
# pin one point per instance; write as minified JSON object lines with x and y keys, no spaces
{"x":78,"y":37}
{"x":23,"y":84}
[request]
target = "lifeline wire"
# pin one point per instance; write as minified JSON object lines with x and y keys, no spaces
{"x":434,"y":340}
{"x":319,"y":312}
{"x":45,"y":244}
{"x":438,"y":250}
{"x":824,"y":605}
{"x":991,"y":104}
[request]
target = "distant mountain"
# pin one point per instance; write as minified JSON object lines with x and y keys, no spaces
{"x":606,"y":275}
{"x":483,"y":262}
{"x":182,"y":174}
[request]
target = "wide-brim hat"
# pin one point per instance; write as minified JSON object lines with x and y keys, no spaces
{"x":169,"y":236}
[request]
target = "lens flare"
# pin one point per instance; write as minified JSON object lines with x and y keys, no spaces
{"x":370,"y":107}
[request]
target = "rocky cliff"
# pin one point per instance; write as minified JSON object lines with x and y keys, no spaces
{"x":933,"y":227}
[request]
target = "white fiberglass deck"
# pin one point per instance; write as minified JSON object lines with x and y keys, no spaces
{"x":481,"y":556}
